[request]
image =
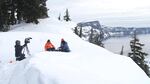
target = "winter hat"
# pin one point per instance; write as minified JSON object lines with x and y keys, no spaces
{"x":17,"y":42}
{"x":62,"y":39}
{"x":48,"y":40}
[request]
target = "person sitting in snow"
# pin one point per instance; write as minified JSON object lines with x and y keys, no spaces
{"x":18,"y":50}
{"x":64,"y":46}
{"x":49,"y":46}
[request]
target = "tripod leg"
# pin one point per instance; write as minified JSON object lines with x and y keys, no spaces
{"x":27,"y":49}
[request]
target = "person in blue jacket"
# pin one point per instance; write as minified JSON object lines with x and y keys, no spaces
{"x":64,"y":46}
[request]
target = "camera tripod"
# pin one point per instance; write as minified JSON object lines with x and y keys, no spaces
{"x":27,"y":50}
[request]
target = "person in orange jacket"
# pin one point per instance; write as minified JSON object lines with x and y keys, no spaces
{"x":49,"y":46}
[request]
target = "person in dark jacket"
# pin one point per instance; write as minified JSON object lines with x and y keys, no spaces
{"x":18,"y":51}
{"x":64,"y":46}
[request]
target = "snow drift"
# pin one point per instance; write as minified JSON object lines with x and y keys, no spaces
{"x":85,"y":64}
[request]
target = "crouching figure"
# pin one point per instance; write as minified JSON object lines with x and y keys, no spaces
{"x":49,"y":46}
{"x":64,"y":46}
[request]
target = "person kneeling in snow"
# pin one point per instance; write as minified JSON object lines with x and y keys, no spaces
{"x":64,"y":46}
{"x":18,"y":51}
{"x":49,"y":46}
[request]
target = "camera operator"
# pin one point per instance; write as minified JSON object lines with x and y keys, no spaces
{"x":18,"y":49}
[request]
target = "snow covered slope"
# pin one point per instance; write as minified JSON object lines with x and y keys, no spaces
{"x":85,"y":64}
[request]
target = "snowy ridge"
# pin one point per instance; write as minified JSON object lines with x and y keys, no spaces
{"x":85,"y":64}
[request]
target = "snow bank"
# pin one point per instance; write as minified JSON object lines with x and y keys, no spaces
{"x":85,"y":64}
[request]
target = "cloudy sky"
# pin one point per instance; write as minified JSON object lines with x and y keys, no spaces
{"x":108,"y":12}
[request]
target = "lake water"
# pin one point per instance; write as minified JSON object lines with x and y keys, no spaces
{"x":115,"y":44}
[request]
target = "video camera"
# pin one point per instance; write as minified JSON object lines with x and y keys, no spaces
{"x":27,"y":40}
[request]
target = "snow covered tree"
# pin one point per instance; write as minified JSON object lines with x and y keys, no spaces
{"x":92,"y":35}
{"x":96,"y":38}
{"x":67,"y":16}
{"x":137,"y":55}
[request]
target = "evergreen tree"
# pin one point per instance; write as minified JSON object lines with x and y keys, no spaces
{"x":1,"y":15}
{"x":96,"y":38}
{"x":76,"y":30}
{"x":91,"y":36}
{"x":4,"y":15}
{"x":31,"y":10}
{"x":137,"y":55}
{"x":67,"y":16}
{"x":19,"y":10}
{"x":43,"y":9}
{"x":121,"y":53}
{"x":80,"y":34}
{"x":15,"y":11}
{"x":59,"y":17}
{"x":100,"y":39}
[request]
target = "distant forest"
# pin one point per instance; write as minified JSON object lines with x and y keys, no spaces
{"x":107,"y":32}
{"x":125,"y":31}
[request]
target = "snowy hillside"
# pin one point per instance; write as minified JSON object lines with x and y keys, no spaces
{"x":85,"y":64}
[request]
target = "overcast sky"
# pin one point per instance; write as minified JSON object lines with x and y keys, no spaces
{"x":108,"y":12}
